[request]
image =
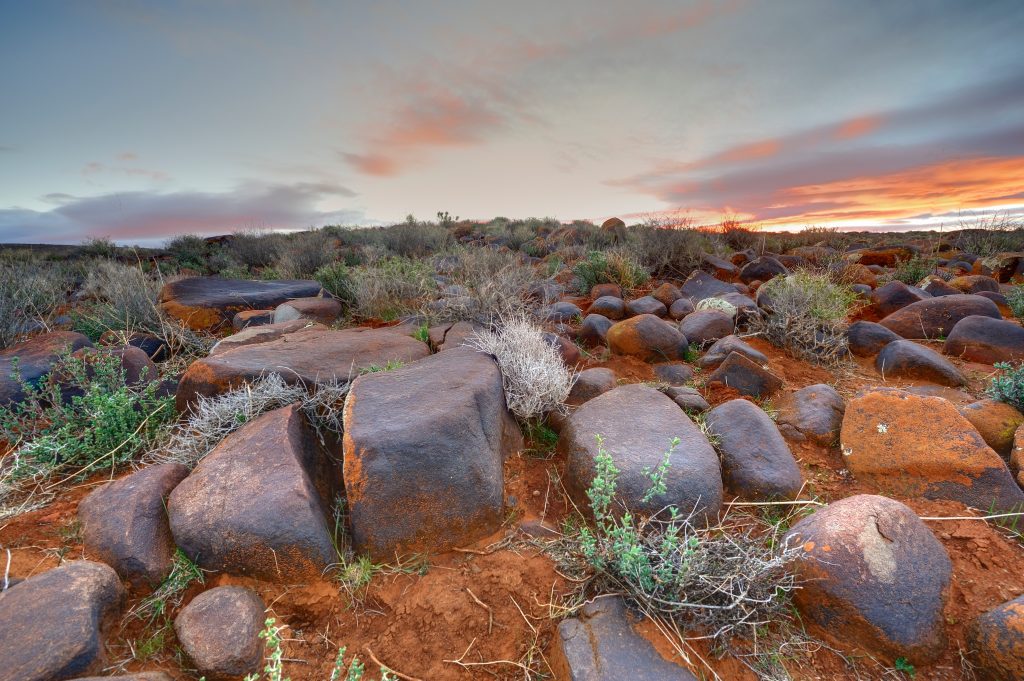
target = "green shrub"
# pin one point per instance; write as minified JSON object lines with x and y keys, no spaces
{"x":189,"y":250}
{"x":336,"y":279}
{"x":303,"y":253}
{"x":608,"y":267}
{"x":391,"y":287}
{"x":254,"y":248}
{"x":1015,"y":299}
{"x":912,"y":271}
{"x":1008,"y":384}
{"x":99,"y":247}
{"x":806,"y":313}
{"x":104,"y":423}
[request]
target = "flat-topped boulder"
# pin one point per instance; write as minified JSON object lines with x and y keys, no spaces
{"x":909,"y":445}
{"x":637,"y":425}
{"x":906,"y":359}
{"x":257,"y":504}
{"x":34,"y":358}
{"x":424,"y":448}
{"x":206,"y":303}
{"x":52,"y":624}
{"x":936,"y":317}
{"x":305,"y":356}
{"x":252,"y":335}
{"x":700,"y":285}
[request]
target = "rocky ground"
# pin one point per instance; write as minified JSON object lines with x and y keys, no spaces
{"x":889,"y":471}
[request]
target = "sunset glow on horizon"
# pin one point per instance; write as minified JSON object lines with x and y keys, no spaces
{"x":141,"y":120}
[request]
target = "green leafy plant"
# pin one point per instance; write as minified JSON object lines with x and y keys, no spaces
{"x":657,"y":475}
{"x":81,"y":417}
{"x":608,"y":267}
{"x":915,"y":269}
{"x":336,"y":278}
{"x":1008,"y":384}
{"x":422,"y":333}
{"x":902,"y":665}
{"x":1015,"y":299}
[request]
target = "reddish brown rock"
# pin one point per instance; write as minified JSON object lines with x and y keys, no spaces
{"x":602,"y":290}
{"x":305,"y":356}
{"x":594,"y":330}
{"x":984,"y":339}
{"x":867,"y":339}
{"x":52,"y":624}
{"x":996,"y":421}
{"x":647,"y":337}
{"x":907,"y":445}
{"x":608,"y":306}
{"x":907,"y":359}
{"x":936,"y":317}
{"x":424,"y":448}
{"x":996,"y":639}
{"x":590,"y":383}
{"x":219,"y":631}
{"x":813,"y":413}
{"x":894,"y":296}
{"x":258,"y":503}
{"x":873,"y":577}
{"x":247,"y":318}
{"x":209,"y":303}
{"x":748,"y":377}
{"x":974,"y":283}
{"x":667,"y":294}
{"x":124,"y":524}
{"x":884,"y":256}
{"x":317,"y":309}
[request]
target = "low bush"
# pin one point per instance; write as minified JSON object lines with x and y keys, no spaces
{"x":300,"y":255}
{"x":493,"y":283}
{"x":255,"y":249}
{"x":388,"y":288}
{"x":806,"y":314}
{"x":123,"y":298}
{"x":535,"y":378}
{"x":104,"y":423}
{"x":336,"y":278}
{"x":1015,"y":299}
{"x":609,"y":267}
{"x":912,"y":271}
{"x":668,"y":251}
{"x":1008,"y":384}
{"x":189,"y":250}
{"x":728,"y":581}
{"x":31,"y":292}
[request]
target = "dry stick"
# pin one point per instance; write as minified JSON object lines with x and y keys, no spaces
{"x":384,"y":666}
{"x":490,"y":612}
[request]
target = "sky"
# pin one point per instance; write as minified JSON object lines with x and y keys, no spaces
{"x":141,"y":120}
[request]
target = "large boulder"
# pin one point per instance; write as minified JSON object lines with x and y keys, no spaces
{"x":974,"y":283}
{"x":33,"y":359}
{"x":638,"y":424}
{"x":305,"y":356}
{"x":424,"y":449}
{"x":209,"y":303}
{"x":996,"y":638}
{"x":52,"y":624}
{"x":762,"y":269}
{"x":700,"y":285}
{"x":727,"y":345}
{"x":706,"y":326}
{"x":254,"y":335}
{"x":257,"y":504}
{"x":745,"y":375}
{"x":647,"y":337}
{"x":886,"y":256}
{"x":124,"y":524}
{"x":813,"y":413}
{"x":907,"y":359}
{"x":756,"y":461}
{"x":978,"y":338}
{"x":219,"y":631}
{"x":873,"y":576}
{"x":894,"y":296}
{"x":936,"y":317}
{"x":918,"y":446}
{"x":600,"y":644}
{"x":997,"y":422}
{"x":866,"y":339}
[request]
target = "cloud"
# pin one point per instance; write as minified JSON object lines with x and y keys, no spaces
{"x":903,"y":156}
{"x":142,"y":216}
{"x":434,"y":105}
{"x":97,"y":168}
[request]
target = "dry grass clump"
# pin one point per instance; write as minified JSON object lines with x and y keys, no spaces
{"x":301,"y":254}
{"x":254,"y":248}
{"x":214,"y":418}
{"x":672,"y":250}
{"x":125,"y":297}
{"x":488,"y":283}
{"x":385,"y":289}
{"x":806,"y":314}
{"x":31,"y":291}
{"x":990,"y":234}
{"x":535,"y":378}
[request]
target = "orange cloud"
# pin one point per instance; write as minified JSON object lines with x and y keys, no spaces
{"x":931,"y":190}
{"x":858,"y":127}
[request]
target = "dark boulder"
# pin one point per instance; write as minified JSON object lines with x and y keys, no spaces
{"x":813,"y":413}
{"x":646,"y":305}
{"x":700,"y":285}
{"x":706,"y":326}
{"x":594,"y":330}
{"x":723,"y":347}
{"x":979,"y":338}
{"x":746,"y":376}
{"x":680,"y":308}
{"x":34,"y":358}
{"x":608,"y":306}
{"x":590,"y":383}
{"x":936,"y":317}
{"x":866,"y":339}
{"x":996,"y":639}
{"x":219,"y":631}
{"x":647,"y":337}
{"x":673,"y":373}
{"x":317,"y":309}
{"x":762,"y":269}
{"x":209,"y":303}
{"x":895,"y":295}
{"x":907,"y":359}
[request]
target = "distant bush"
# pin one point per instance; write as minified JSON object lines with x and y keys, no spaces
{"x":389,"y":288}
{"x":123,"y":298}
{"x":301,"y":254}
{"x":99,"y":247}
{"x":189,"y":250}
{"x":255,"y":249}
{"x":667,"y":251}
{"x":1008,"y":385}
{"x":608,"y":267}
{"x":535,"y":378}
{"x":738,"y":237}
{"x":987,"y":235}
{"x":912,"y":271}
{"x":30,"y":294}
{"x":806,"y":313}
{"x":495,"y":283}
